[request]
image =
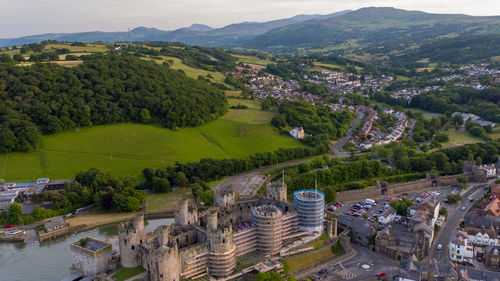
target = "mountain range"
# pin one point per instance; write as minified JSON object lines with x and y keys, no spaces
{"x":366,"y":26}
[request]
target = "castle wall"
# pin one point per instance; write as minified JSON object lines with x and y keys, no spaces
{"x":194,"y":260}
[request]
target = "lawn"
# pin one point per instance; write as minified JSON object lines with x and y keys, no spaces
{"x":126,"y":149}
{"x":126,"y":273}
{"x":252,"y":60}
{"x":252,"y":104}
{"x":191,"y":71}
{"x":167,"y":201}
{"x":458,"y":138}
{"x":303,"y":261}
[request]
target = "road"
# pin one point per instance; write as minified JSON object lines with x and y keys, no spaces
{"x":245,"y":184}
{"x":363,"y":266}
{"x":336,"y":148}
{"x":240,"y":182}
{"x":453,"y":220}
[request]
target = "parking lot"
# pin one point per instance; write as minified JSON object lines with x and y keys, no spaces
{"x":372,"y":211}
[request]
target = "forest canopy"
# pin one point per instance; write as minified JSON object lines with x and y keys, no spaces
{"x":47,"y":98}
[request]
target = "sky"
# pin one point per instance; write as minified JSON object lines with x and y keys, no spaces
{"x":28,"y":17}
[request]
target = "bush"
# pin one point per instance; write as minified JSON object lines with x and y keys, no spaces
{"x":337,"y":249}
{"x":454,"y":198}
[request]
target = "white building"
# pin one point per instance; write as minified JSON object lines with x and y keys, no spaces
{"x":491,"y":170}
{"x":460,"y":247}
{"x":387,"y":216}
{"x":482,"y":237}
{"x":297,"y":133}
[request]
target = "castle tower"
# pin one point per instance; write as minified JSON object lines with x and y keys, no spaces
{"x":185,"y":216}
{"x":131,"y":234}
{"x":165,"y":264}
{"x":222,"y":255}
{"x":269,"y":222}
{"x":212,"y":220}
{"x":224,"y":197}
{"x":276,"y":191}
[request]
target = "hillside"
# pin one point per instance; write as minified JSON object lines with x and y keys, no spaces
{"x":126,"y":149}
{"x":106,"y":88}
{"x":196,"y":34}
{"x":374,"y":26}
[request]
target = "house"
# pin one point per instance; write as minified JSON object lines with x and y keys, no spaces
{"x":399,"y":241}
{"x":7,"y":198}
{"x":460,"y":247}
{"x":441,"y":271}
{"x":409,"y":270}
{"x":427,"y":212}
{"x":493,"y":208}
{"x":387,"y":216}
{"x":42,"y":180}
{"x":473,"y":274}
{"x":361,"y":231}
{"x":54,"y":224}
{"x":495,"y":191}
{"x":482,"y":236}
{"x":492,"y":256}
{"x":297,"y":133}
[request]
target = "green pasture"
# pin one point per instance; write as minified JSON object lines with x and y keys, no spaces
{"x":126,"y":149}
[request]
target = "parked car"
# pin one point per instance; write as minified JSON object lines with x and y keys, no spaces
{"x":381,"y":274}
{"x":439,"y":247}
{"x":8,"y":226}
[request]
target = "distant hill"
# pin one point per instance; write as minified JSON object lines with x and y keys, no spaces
{"x":374,"y":26}
{"x":196,"y":34}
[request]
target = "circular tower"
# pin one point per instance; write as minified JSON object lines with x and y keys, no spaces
{"x":310,"y":205}
{"x":268,"y":219}
{"x":222,"y":255}
{"x":130,"y":235}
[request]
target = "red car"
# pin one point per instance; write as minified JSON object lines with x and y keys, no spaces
{"x":381,"y":274}
{"x":8,"y":226}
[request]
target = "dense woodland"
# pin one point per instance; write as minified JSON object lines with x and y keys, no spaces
{"x":47,"y":98}
{"x":319,"y":121}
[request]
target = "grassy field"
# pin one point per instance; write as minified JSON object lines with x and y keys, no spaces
{"x":191,"y":71}
{"x":303,"y":261}
{"x":252,"y":60}
{"x":126,"y":273}
{"x":167,"y":201}
{"x":458,"y":138}
{"x":126,"y":149}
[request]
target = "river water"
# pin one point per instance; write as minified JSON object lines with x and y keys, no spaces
{"x":51,"y":260}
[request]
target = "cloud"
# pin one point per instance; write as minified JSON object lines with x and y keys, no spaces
{"x":26,"y":17}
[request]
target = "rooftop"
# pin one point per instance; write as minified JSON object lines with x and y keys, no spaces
{"x":309,"y":194}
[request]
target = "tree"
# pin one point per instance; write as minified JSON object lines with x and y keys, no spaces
{"x":401,"y":206}
{"x":15,"y":213}
{"x":463,"y":180}
{"x":330,"y":194}
{"x":197,"y":190}
{"x":454,"y":198}
{"x":443,"y":211}
{"x":145,"y":116}
{"x":207,"y":197}
{"x":181,"y":179}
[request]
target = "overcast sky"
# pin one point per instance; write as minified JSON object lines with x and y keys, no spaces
{"x":27,"y":17}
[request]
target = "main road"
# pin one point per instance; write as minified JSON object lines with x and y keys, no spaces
{"x":444,"y":236}
{"x":336,"y":148}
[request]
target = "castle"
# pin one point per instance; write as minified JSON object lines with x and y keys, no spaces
{"x":209,"y":242}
